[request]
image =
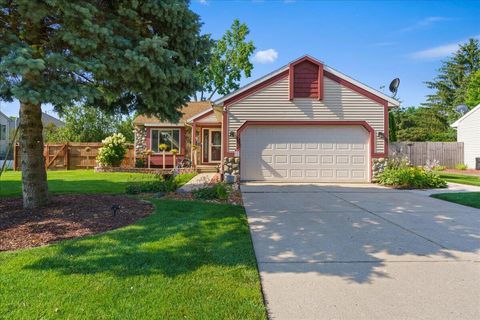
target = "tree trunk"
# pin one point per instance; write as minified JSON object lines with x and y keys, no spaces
{"x":34,"y":174}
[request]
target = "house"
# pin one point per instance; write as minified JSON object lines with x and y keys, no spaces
{"x":304,"y":122}
{"x":48,"y":120}
{"x":7,"y":126}
{"x":468,"y":132}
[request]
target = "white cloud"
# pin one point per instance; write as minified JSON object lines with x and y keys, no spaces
{"x":439,"y":51}
{"x":204,"y":2}
{"x":265,"y":56}
{"x":424,"y":23}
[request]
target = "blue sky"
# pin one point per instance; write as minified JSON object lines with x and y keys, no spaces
{"x":372,"y":42}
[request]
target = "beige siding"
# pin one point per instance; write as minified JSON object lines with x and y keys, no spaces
{"x":339,"y":103}
{"x":468,"y":132}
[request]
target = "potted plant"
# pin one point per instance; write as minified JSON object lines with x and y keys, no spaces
{"x":163,"y":147}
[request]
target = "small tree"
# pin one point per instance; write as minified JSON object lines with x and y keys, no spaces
{"x":163,"y":147}
{"x":113,"y":150}
{"x":229,"y":59}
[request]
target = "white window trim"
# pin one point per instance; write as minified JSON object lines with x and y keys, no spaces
{"x":167,"y":129}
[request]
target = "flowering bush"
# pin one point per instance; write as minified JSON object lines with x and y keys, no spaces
{"x":406,"y":177}
{"x":113,"y":150}
{"x":431,"y":165}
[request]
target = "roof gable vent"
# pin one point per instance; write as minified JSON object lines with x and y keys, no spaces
{"x":306,"y":79}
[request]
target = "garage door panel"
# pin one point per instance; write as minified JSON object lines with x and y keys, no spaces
{"x":313,"y":153}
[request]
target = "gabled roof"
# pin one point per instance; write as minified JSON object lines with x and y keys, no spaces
{"x":466,"y":115}
{"x":4,"y":115}
{"x":48,"y":119}
{"x":192,"y":109}
{"x":391,"y":101}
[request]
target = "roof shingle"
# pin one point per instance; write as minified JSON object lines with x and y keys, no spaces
{"x":192,"y":108}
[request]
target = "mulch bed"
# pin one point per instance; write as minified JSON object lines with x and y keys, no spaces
{"x":65,"y":217}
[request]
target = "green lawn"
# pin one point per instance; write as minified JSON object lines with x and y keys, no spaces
{"x":471,"y":199}
{"x":189,"y":260}
{"x":460,"y":178}
{"x":74,"y":181}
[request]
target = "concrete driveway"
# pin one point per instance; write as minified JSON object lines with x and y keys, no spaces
{"x":363,"y":252}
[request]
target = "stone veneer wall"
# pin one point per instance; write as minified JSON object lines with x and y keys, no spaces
{"x":231,"y":165}
{"x":140,"y":141}
{"x":378,"y":165}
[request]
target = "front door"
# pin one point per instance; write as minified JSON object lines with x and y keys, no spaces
{"x":212,"y":145}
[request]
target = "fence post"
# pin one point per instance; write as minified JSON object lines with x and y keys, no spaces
{"x":66,"y":157}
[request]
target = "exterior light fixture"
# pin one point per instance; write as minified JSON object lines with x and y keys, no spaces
{"x":232,"y":134}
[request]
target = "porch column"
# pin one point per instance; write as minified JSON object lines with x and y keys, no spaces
{"x":194,"y":143}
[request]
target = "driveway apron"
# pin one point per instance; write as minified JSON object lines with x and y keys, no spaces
{"x":363,"y":252}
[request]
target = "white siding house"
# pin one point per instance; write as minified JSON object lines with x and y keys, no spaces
{"x":468,"y":132}
{"x":6,"y":125}
{"x":305,"y":122}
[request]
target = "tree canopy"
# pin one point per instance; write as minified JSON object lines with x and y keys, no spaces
{"x":119,"y":56}
{"x":457,"y":82}
{"x":472,"y":97}
{"x":421,"y":124}
{"x":89,"y":124}
{"x":229,"y":60}
{"x":452,"y":81}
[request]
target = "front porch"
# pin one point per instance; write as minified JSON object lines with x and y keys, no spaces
{"x":206,"y":141}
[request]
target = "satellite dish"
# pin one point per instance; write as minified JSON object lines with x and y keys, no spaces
{"x":394,"y":86}
{"x":462,"y":109}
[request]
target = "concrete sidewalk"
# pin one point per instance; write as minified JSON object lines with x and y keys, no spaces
{"x":201,"y":180}
{"x":363,"y":252}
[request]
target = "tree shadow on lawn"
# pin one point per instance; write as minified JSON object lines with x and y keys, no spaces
{"x":13,"y":188}
{"x":180,"y":238}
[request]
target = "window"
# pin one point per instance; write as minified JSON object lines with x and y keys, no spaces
{"x":3,"y":132}
{"x":170,"y":137}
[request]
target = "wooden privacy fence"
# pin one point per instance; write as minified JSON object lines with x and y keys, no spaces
{"x":448,"y":154}
{"x":72,"y":155}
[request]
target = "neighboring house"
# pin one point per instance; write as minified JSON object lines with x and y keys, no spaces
{"x":304,"y":122}
{"x":9,"y":124}
{"x":468,"y":132}
{"x":48,"y":120}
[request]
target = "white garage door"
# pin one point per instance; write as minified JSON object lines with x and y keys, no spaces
{"x":305,"y":153}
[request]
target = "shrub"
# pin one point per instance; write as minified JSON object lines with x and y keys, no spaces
{"x":139,"y":163}
{"x":461,"y":166}
{"x":431,"y":164}
{"x":218,"y":191}
{"x":411,"y":178}
{"x":113,"y":150}
{"x":397,"y":161}
{"x":440,"y":168}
